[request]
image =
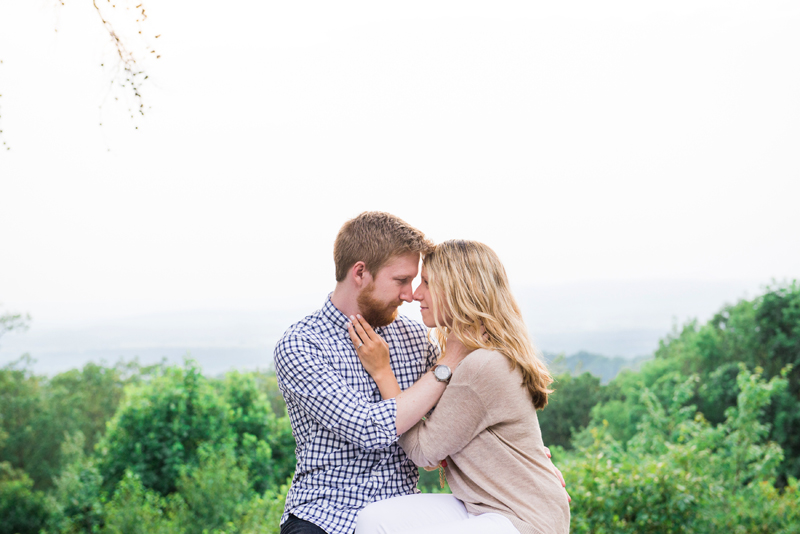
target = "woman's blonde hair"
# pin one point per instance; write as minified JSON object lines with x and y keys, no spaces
{"x":469,"y":284}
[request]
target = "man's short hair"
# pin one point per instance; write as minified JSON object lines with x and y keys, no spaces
{"x":375,"y":237}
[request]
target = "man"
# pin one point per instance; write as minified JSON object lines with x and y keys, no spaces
{"x":347,"y":452}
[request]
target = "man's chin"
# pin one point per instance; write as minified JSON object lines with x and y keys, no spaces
{"x":383,"y":318}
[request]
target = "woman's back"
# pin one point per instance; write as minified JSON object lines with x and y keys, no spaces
{"x":486,"y":426}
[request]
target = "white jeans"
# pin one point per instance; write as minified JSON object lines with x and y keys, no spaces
{"x":428,"y":513}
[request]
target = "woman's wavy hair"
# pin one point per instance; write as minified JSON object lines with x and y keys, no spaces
{"x":469,"y":284}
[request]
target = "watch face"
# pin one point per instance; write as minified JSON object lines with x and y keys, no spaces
{"x":442,"y":372}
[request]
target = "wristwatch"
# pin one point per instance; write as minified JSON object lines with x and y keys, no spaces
{"x":442,"y":373}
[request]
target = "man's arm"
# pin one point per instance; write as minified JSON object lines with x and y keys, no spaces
{"x":307,"y":379}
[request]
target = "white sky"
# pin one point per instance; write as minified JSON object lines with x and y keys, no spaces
{"x":584,"y":141}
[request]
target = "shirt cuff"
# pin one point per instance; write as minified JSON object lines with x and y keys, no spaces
{"x":384,"y":417}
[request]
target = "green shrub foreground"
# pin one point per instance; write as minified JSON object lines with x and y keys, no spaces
{"x":679,"y":473}
{"x":705,"y":438}
{"x":181,"y":454}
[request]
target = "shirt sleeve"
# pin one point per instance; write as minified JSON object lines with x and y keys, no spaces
{"x":310,"y":381}
{"x":459,"y":416}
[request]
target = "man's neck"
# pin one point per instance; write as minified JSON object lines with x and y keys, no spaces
{"x":345,"y":300}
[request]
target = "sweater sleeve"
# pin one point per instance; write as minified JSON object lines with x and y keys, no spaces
{"x":457,"y":419}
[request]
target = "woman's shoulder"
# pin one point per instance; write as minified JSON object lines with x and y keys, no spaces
{"x":484,"y":364}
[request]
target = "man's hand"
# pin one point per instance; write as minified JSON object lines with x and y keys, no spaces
{"x":558,"y":474}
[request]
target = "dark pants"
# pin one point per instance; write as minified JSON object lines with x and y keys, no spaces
{"x":295,"y":525}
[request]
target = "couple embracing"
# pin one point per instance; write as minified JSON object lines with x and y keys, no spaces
{"x":372,"y":395}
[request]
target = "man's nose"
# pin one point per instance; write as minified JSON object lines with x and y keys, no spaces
{"x":407,"y":295}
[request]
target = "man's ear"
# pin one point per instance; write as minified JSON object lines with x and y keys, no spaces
{"x":360,"y":274}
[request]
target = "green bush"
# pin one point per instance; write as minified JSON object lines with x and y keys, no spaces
{"x":215,"y":498}
{"x":23,"y":510}
{"x":569,"y":408}
{"x":680,"y":473}
{"x":159,"y":426}
{"x":77,"y":497}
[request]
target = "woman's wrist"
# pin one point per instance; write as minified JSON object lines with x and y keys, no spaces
{"x":383,"y":376}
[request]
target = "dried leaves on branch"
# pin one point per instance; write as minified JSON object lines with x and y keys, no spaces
{"x":125,"y":22}
{"x":133,"y":46}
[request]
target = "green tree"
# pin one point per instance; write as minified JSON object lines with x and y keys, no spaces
{"x":13,"y":321}
{"x":77,"y":496}
{"x":32,"y":439}
{"x":679,"y":472}
{"x":159,"y":427}
{"x":23,"y":510}
{"x":569,"y":408}
{"x":264,"y":439}
{"x":762,"y":333}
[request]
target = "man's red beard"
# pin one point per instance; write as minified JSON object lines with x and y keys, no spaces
{"x":375,"y":312}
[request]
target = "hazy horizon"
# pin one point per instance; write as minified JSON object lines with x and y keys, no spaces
{"x":611,"y":318}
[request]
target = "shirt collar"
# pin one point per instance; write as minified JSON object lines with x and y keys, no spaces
{"x":332,"y":314}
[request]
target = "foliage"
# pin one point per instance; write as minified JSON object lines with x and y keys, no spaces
{"x":31,"y":441}
{"x":702,"y":439}
{"x":679,"y":472}
{"x":36,"y":413}
{"x":266,"y":440}
{"x":215,"y":498}
{"x":157,"y":431}
{"x":22,"y":509}
{"x":763,"y":333}
{"x":569,"y":408}
{"x":10,"y":322}
{"x":126,"y":448}
{"x":159,"y":427}
{"x":77,"y":497}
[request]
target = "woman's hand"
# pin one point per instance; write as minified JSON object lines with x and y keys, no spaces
{"x":373,"y":352}
{"x":454,"y":352}
{"x":558,"y":473}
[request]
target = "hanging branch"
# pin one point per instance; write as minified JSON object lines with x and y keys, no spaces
{"x":127,"y":71}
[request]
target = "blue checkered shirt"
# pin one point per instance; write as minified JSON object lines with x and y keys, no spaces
{"x":347,"y":451}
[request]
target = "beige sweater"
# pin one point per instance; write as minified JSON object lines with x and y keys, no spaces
{"x":486,"y":427}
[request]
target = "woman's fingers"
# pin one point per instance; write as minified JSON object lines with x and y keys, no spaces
{"x":363,"y":327}
{"x":561,"y":477}
{"x":353,"y":336}
{"x":359,"y":329}
{"x":557,"y":470}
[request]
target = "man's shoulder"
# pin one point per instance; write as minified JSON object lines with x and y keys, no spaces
{"x":307,"y":330}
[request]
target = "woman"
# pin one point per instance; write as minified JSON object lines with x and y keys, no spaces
{"x":484,"y":428}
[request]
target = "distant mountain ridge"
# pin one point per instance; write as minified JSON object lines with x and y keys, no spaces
{"x":603,"y":367}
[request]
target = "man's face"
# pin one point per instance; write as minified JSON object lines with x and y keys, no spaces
{"x":388,"y":289}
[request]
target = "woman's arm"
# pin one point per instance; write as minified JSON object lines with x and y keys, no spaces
{"x":416,"y":401}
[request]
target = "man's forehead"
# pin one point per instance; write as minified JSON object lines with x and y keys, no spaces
{"x":401,"y":265}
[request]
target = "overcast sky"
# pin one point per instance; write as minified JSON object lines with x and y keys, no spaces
{"x":584,"y":141}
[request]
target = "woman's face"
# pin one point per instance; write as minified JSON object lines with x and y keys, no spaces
{"x":423,"y":295}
